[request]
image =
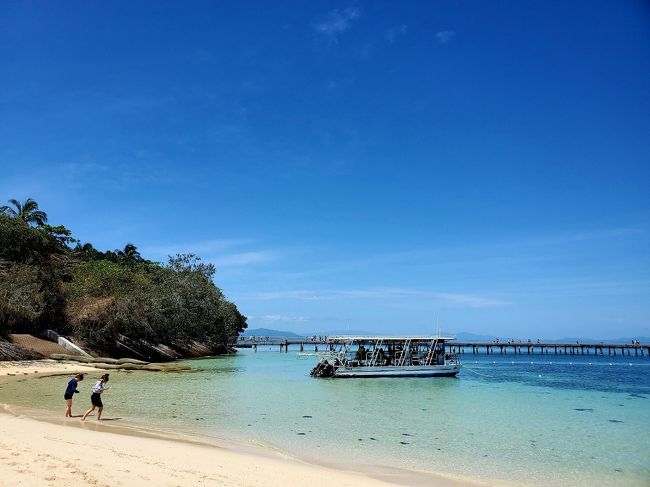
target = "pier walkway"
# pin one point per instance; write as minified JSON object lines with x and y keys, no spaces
{"x":544,"y":348}
{"x":282,"y":342}
{"x":489,"y":348}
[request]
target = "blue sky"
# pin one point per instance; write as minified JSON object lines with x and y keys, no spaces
{"x":371,"y":165}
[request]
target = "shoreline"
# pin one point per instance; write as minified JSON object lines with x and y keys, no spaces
{"x":27,"y":438}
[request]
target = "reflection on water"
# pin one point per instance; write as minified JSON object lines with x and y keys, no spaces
{"x":553,"y":421}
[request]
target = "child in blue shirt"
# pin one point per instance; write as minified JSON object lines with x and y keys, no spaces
{"x":70,"y":390}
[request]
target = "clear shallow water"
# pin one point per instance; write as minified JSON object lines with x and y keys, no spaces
{"x":556,"y":421}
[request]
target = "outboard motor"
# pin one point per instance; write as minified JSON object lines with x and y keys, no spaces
{"x":322,"y":369}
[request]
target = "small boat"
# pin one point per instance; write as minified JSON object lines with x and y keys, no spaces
{"x":377,"y":356}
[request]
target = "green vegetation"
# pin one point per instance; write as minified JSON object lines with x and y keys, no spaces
{"x":27,"y":211}
{"x":49,"y":280}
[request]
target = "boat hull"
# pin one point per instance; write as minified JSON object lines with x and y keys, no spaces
{"x":399,"y":371}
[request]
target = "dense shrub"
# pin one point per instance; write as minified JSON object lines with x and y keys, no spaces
{"x":99,"y":295}
{"x":22,"y":299}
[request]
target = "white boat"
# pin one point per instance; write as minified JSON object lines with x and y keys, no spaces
{"x":396,"y":356}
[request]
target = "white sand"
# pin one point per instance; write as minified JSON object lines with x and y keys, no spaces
{"x":37,"y":453}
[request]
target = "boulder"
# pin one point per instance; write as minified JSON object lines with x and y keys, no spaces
{"x":130,"y":361}
{"x":102,"y":366}
{"x":104,"y":360}
{"x":129,"y":366}
{"x":73,"y":358}
{"x":166,"y":367}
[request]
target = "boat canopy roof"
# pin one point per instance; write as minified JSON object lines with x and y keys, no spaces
{"x":387,"y":339}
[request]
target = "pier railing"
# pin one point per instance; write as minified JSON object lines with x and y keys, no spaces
{"x":544,"y":348}
{"x":282,"y":342}
{"x":465,"y":347}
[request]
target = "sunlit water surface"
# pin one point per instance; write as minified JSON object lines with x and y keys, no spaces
{"x":526,"y":420}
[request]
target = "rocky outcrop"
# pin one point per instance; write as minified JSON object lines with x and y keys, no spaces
{"x":106,"y":363}
{"x":11,"y":351}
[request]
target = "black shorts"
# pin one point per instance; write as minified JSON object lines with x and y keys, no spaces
{"x":96,"y":400}
{"x":67,"y":396}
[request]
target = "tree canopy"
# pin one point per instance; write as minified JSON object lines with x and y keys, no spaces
{"x":27,"y":211}
{"x":48,"y":279}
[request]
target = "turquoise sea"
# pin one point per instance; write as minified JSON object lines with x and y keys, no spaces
{"x":533,"y":420}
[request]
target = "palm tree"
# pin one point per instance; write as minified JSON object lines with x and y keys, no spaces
{"x":27,"y":212}
{"x":130,"y":253}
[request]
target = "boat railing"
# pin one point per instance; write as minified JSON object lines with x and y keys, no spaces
{"x":432,"y":352}
{"x":378,"y":353}
{"x":407,"y":356}
{"x":407,"y":346}
{"x":398,"y":357}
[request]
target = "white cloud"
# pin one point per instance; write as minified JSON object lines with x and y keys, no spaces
{"x":74,"y":169}
{"x":331,"y":85}
{"x":444,"y":36}
{"x":244,"y":258}
{"x":279,"y":319}
{"x":471,"y":300}
{"x":302,"y":295}
{"x":445,"y":299}
{"x":112,"y":175}
{"x":136,"y":103}
{"x":77,"y":174}
{"x":337,"y":21}
{"x":392,"y":33}
{"x":201,"y":248}
{"x":222,"y":253}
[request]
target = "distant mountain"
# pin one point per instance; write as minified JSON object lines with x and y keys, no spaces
{"x":459,"y":336}
{"x":267,"y":332}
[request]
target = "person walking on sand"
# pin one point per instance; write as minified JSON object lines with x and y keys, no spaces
{"x":69,"y":392}
{"x":96,"y":397}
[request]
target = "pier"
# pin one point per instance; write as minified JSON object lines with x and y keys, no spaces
{"x":488,"y":348}
{"x":282,"y":342}
{"x":544,"y":348}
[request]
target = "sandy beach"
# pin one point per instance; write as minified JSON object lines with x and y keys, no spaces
{"x":32,"y":368}
{"x":36,"y":453}
{"x":67,"y":452}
